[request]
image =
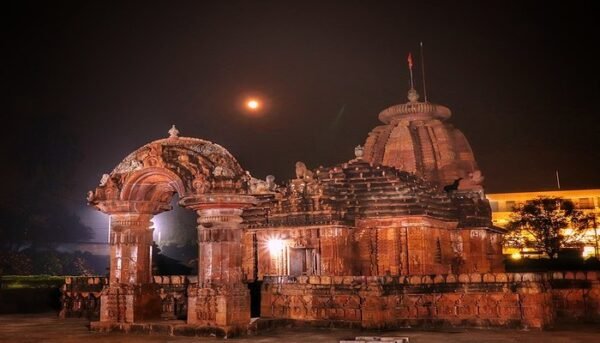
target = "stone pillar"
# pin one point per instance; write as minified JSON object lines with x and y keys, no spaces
{"x":130,"y":248}
{"x":220,"y":299}
{"x":130,"y":295}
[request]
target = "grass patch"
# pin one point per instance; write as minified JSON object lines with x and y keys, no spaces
{"x":31,"y":281}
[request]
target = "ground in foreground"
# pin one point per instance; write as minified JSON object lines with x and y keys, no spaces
{"x":48,"y":328}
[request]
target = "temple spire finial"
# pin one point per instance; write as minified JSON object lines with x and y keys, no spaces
{"x":413,"y":95}
{"x":359,"y":152}
{"x":173,"y":132}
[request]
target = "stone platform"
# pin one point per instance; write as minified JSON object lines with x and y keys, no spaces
{"x":169,"y":328}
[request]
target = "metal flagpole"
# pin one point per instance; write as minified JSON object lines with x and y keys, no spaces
{"x":423,"y":72}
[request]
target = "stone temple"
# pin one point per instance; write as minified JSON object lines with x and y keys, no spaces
{"x":399,"y":235}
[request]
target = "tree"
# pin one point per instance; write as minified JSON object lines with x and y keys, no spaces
{"x":547,"y":224}
{"x":40,"y":166}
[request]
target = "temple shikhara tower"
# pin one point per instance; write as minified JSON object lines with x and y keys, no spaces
{"x":398,"y":235}
{"x":417,"y":138}
{"x":399,"y":207}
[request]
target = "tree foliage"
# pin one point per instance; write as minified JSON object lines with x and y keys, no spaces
{"x":547,"y":224}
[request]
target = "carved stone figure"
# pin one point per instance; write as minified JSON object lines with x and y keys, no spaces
{"x":302,"y":172}
{"x":258,"y":186}
{"x":104,"y":179}
{"x":359,"y":152}
{"x":201,"y":184}
{"x":452,"y":187}
{"x":271,"y":185}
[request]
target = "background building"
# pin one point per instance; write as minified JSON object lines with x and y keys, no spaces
{"x":587,"y":200}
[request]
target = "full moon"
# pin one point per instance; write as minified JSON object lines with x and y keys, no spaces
{"x":253,"y":104}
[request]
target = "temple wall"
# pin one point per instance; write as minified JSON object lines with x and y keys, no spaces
{"x":533,"y":300}
{"x":299,"y":250}
{"x":393,"y":246}
{"x":482,"y":300}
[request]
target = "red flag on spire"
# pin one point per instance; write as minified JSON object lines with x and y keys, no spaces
{"x":410,"y":61}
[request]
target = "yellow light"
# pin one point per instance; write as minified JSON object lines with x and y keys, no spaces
{"x":516,"y":256}
{"x":253,"y":104}
{"x":275,"y":246}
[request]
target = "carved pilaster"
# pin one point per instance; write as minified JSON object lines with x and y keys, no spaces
{"x":130,"y":248}
{"x":220,"y":298}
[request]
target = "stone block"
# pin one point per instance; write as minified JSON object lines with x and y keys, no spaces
{"x":348,"y":280}
{"x":373,"y":279}
{"x":475,"y":277}
{"x":314,"y":279}
{"x":388,"y":280}
{"x":580,"y":276}
{"x":464,"y":278}
{"x":415,"y":280}
{"x":439,"y":279}
{"x":488,"y":277}
{"x":338,"y":280}
{"x":569,"y":276}
{"x":451,"y":278}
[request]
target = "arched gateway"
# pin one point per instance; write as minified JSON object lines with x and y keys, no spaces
{"x":209,"y":181}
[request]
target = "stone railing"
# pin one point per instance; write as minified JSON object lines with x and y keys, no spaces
{"x":173,"y":294}
{"x":534,"y":300}
{"x":473,"y":278}
{"x":81,"y":296}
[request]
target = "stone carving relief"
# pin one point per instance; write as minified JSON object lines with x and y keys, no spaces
{"x":104,"y":180}
{"x":129,"y":164}
{"x":184,"y":160}
{"x":201,"y":184}
{"x":151,"y":156}
{"x":302,"y":172}
{"x":457,"y":243}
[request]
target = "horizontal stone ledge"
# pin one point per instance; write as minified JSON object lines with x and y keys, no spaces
{"x":473,"y":278}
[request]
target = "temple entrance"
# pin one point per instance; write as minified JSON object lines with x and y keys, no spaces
{"x":255,"y":288}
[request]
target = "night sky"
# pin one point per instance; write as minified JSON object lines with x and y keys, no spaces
{"x":521,"y":78}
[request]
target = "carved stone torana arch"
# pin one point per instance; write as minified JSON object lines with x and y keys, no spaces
{"x":208,"y":180}
{"x":188,"y":166}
